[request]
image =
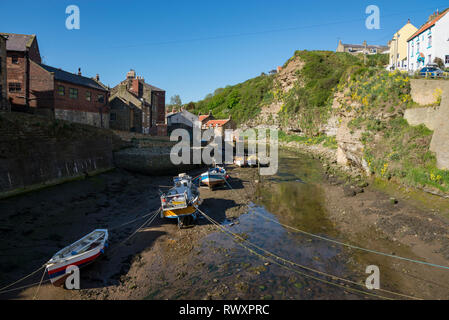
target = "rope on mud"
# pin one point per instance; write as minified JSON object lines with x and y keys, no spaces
{"x":346,"y":244}
{"x":20,"y":280}
{"x":39,"y":286}
{"x":132,"y":221}
{"x":147,"y":222}
{"x":311,"y":269}
{"x":233,"y":236}
{"x":24,"y":287}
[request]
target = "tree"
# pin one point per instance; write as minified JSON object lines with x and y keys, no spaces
{"x":190,"y":106}
{"x":176,"y":100}
{"x":439,"y":62}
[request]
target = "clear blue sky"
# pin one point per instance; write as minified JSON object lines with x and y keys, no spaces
{"x":191,"y":48}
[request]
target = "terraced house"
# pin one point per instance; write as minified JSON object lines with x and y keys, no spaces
{"x":37,"y":88}
{"x":429,"y":42}
{"x":398,"y":47}
{"x":138,"y":107}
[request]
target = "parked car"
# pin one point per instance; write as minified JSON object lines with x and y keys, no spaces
{"x":431,"y":71}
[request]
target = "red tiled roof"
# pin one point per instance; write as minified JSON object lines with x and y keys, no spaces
{"x":214,"y":123}
{"x":203,"y":117}
{"x":428,"y":24}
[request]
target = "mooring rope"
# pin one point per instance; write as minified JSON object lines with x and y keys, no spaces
{"x":346,"y":244}
{"x":148,"y":221}
{"x":233,"y":236}
{"x":21,"y":279}
{"x":299,"y":265}
{"x":39,"y":286}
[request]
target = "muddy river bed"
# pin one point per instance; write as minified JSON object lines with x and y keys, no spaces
{"x":258,"y":250}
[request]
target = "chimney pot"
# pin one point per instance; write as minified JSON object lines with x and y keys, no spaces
{"x":97,"y":77}
{"x":79,"y":71}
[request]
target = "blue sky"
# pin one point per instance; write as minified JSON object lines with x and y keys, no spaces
{"x":191,"y":48}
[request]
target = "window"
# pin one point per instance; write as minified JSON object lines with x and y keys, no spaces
{"x":15,"y":87}
{"x":73,"y":93}
{"x":15,"y":59}
{"x":430,"y":42}
{"x":100,"y":98}
{"x":413,"y":49}
{"x":61,"y":90}
{"x":447,"y":59}
{"x":113,"y":117}
{"x":88,"y":96}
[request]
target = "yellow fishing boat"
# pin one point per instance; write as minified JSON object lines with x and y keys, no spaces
{"x":181,"y":202}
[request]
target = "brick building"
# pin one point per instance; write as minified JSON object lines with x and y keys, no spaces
{"x":40,"y":89}
{"x":70,"y":96}
{"x":21,"y":50}
{"x":4,"y":103}
{"x":137,"y":106}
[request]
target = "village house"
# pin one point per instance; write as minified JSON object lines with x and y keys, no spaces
{"x":205,"y":118}
{"x":4,"y":103}
{"x":363,"y":48}
{"x":399,"y":47}
{"x":429,"y":42}
{"x":220,"y":127}
{"x":138,"y":107}
{"x":21,"y":50}
{"x":41,"y":89}
{"x":70,"y":96}
{"x":181,"y":120}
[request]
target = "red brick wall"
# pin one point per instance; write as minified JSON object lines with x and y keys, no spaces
{"x":159,"y":103}
{"x":81,"y":103}
{"x":16,"y":74}
{"x":34,"y":53}
{"x":41,"y":87}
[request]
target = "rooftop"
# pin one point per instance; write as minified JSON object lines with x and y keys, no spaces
{"x":429,"y":24}
{"x":18,"y":42}
{"x":65,"y":76}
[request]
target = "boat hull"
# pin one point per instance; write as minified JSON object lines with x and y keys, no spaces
{"x":179,"y":212}
{"x":213,"y":181}
{"x":57,"y":271}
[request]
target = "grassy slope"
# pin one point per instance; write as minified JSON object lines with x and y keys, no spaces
{"x":393,"y":149}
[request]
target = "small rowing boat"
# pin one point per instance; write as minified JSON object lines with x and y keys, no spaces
{"x":80,"y":253}
{"x":213,"y":177}
{"x":181,"y":201}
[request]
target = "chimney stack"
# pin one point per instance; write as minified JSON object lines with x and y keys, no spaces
{"x":79,"y":71}
{"x":97,"y":77}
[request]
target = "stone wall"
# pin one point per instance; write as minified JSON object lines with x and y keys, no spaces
{"x":435,"y":118}
{"x":424,"y":91}
{"x":35,"y":151}
{"x":427,"y":116}
{"x":91,"y":118}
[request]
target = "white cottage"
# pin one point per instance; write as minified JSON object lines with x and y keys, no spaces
{"x":429,"y":42}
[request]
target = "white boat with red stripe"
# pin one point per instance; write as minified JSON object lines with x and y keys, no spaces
{"x":80,"y":253}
